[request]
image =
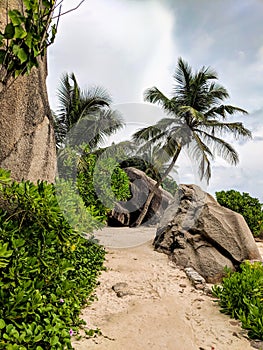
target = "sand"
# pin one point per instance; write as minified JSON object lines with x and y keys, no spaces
{"x":162,"y":310}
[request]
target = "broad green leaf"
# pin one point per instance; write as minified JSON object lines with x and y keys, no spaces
{"x":20,"y":33}
{"x":9,"y":31}
{"x":18,"y":72}
{"x":27,"y":4}
{"x":36,"y":51}
{"x":3,"y":263}
{"x":20,"y":53}
{"x":54,"y":340}
{"x":4,"y":253}
{"x":16,"y":17}
{"x":18,"y":242}
{"x":2,"y":323}
{"x":38,"y":338}
{"x":28,"y":40}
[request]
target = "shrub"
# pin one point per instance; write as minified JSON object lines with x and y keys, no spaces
{"x":48,"y":271}
{"x":101,"y":182}
{"x":99,"y":179}
{"x":244,"y":204}
{"x":240,"y":296}
{"x":170,"y":185}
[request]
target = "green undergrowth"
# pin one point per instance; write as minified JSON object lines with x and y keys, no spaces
{"x":48,"y":271}
{"x":244,"y":204}
{"x":241,"y":294}
{"x":98,"y":179}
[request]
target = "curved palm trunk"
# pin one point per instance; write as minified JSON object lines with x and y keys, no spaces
{"x":155,"y":188}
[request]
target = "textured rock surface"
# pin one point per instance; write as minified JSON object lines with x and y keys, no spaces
{"x":197,"y":232}
{"x":27,"y":144}
{"x":126,"y":213}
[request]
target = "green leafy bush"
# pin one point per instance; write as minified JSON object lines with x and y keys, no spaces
{"x":249,"y":207}
{"x":48,"y":271}
{"x":99,"y":179}
{"x":241,"y":295}
{"x":170,"y":185}
{"x":26,"y":37}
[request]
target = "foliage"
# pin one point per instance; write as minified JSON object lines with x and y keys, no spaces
{"x":83,"y":116}
{"x":99,"y":179}
{"x":249,"y":207}
{"x":26,"y":37}
{"x":196,"y":121}
{"x":101,"y":182}
{"x":240,"y":296}
{"x":170,"y":185}
{"x":83,"y":219}
{"x":48,"y":270}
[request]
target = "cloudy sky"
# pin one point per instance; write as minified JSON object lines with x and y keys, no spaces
{"x":127,"y":46}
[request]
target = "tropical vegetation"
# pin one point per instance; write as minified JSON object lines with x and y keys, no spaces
{"x":244,"y":204}
{"x":26,"y":37}
{"x":97,"y":178}
{"x":240,"y":296}
{"x":196,"y":120}
{"x":84,"y":116}
{"x":48,"y":269}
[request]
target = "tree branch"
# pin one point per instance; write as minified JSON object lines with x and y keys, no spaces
{"x":73,"y":9}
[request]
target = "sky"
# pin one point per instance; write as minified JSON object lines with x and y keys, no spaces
{"x":127,"y":46}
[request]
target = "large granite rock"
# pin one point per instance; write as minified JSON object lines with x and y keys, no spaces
{"x":197,"y":232}
{"x":126,"y":213}
{"x":27,"y":143}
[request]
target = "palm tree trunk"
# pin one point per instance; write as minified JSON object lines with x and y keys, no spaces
{"x":155,"y":188}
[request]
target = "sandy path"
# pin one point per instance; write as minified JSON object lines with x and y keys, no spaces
{"x":162,"y":311}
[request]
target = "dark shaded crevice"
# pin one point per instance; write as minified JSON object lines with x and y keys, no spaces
{"x":222,"y":251}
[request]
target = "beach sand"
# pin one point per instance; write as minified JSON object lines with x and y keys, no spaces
{"x":158,"y":307}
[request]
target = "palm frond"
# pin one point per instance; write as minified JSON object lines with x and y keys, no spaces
{"x":83,"y":114}
{"x":224,"y":111}
{"x":167,"y":123}
{"x":220,"y":147}
{"x":216,"y":93}
{"x":199,"y":152}
{"x":237,"y":129}
{"x":154,"y":95}
{"x":205,"y":74}
{"x":148,"y":133}
{"x":194,"y":113}
{"x":97,"y":94}
{"x":183,"y":76}
{"x":196,"y":118}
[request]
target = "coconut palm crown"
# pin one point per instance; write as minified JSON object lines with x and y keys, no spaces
{"x":196,"y":120}
{"x":84,"y":115}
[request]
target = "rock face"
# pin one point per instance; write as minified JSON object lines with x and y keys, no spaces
{"x":27,"y":144}
{"x":126,"y":213}
{"x":197,"y":232}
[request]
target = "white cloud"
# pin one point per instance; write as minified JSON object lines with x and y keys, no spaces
{"x":114,"y":44}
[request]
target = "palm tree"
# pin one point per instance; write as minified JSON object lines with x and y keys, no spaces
{"x":84,"y":115}
{"x":196,"y":120}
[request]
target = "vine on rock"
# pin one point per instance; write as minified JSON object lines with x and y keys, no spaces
{"x":26,"y":36}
